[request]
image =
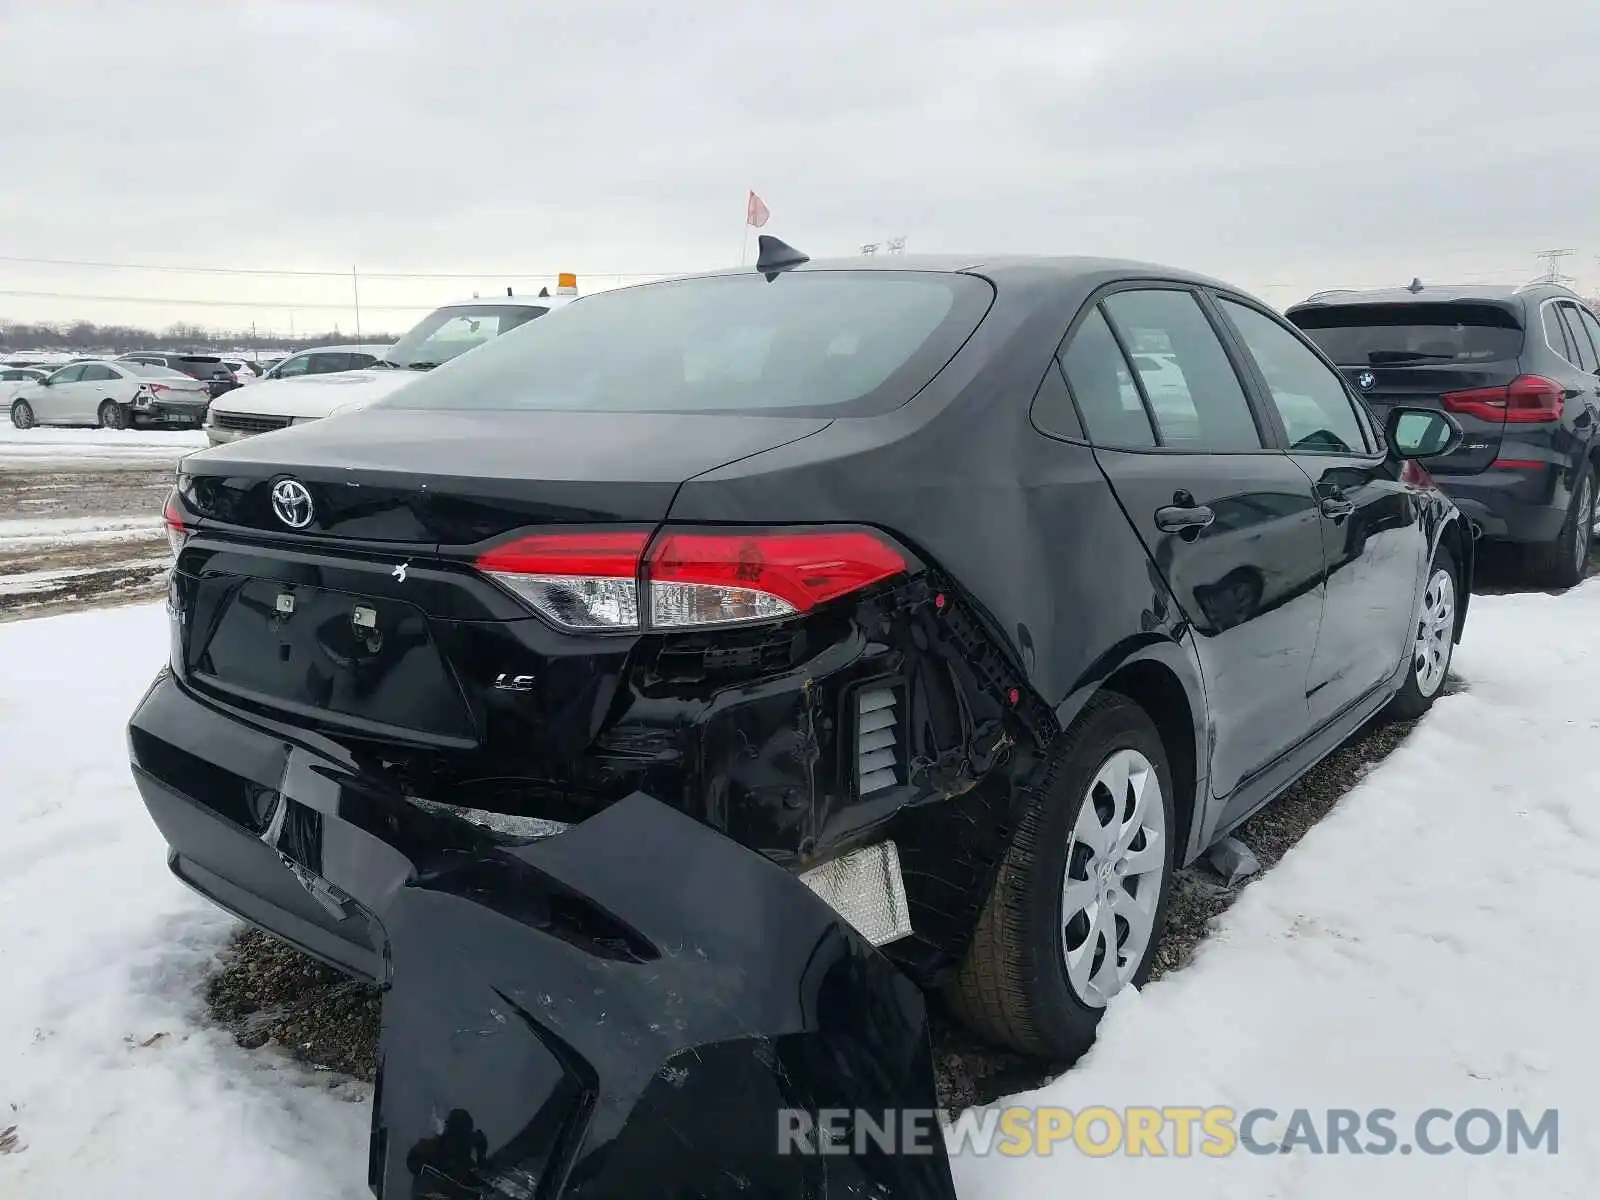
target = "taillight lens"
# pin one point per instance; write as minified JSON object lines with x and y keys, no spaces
{"x":177,"y":531}
{"x":724,"y":578}
{"x":590,"y":581}
{"x":581,"y":581}
{"x":1527,"y":399}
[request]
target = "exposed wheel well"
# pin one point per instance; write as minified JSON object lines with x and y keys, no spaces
{"x":1156,"y":690}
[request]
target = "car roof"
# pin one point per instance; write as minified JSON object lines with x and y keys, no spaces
{"x":1066,"y":270}
{"x":344,"y":348}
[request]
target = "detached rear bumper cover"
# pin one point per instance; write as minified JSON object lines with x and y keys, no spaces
{"x":627,"y":1008}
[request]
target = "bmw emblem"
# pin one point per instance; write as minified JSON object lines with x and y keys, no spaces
{"x":291,"y":502}
{"x":1365,"y":380}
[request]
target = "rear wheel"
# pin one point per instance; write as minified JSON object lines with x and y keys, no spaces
{"x":1078,"y":905}
{"x":1434,"y":642}
{"x":22,"y":415}
{"x":112,"y":416}
{"x":1565,"y":561}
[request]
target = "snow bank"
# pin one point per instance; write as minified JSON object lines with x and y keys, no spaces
{"x":44,"y":445}
{"x":114,"y":1087}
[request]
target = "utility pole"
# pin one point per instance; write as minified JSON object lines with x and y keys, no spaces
{"x":1552,"y":260}
{"x":355,"y":288}
{"x":869,"y":247}
{"x":897,"y":244}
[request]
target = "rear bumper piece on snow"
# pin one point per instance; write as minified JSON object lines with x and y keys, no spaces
{"x":532,"y":1046}
{"x":627,"y":1008}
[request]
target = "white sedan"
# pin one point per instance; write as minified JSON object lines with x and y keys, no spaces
{"x":14,"y":379}
{"x":112,"y":395}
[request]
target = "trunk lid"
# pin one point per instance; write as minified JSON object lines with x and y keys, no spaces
{"x":430,"y":479}
{"x":372,"y":619}
{"x":1386,"y":387}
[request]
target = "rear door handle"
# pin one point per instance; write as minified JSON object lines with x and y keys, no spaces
{"x":1175,"y":518}
{"x":1337,"y":507}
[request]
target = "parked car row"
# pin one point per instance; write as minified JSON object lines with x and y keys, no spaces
{"x":332,"y":379}
{"x":708,"y":667}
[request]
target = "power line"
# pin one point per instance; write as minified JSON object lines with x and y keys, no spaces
{"x":276,"y":272}
{"x":180,"y":303}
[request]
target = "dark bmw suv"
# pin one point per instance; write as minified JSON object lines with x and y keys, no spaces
{"x":655,"y":696}
{"x":1519,"y":368}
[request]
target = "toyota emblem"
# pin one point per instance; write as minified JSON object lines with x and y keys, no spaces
{"x":1365,"y":380}
{"x":292,"y":503}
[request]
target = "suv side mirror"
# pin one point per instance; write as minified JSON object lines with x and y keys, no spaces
{"x":1421,"y":432}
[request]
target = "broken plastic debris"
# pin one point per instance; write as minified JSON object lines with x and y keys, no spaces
{"x":1233,"y":860}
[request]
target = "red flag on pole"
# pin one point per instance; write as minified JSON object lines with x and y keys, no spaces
{"x":756,"y":212}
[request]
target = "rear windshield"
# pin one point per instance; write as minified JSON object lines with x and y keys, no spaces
{"x":1370,"y":335}
{"x":825,"y":342}
{"x":199,"y":360}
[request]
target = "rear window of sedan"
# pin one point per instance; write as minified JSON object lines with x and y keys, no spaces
{"x":833,"y":343}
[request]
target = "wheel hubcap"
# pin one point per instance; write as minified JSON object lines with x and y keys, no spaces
{"x":1115,"y":866}
{"x":1436,"y":629}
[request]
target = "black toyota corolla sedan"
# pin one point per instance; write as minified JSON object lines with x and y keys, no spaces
{"x":659,"y":698}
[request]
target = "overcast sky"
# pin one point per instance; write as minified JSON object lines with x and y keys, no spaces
{"x":1285,"y":145}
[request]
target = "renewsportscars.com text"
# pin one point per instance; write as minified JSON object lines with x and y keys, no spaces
{"x":1174,"y":1131}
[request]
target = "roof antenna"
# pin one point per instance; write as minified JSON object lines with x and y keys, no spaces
{"x":773,"y":256}
{"x":544,"y":293}
{"x":1414,"y":286}
{"x":508,"y":291}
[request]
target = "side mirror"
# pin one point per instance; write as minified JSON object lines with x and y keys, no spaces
{"x":45,"y":382}
{"x":1421,"y":433}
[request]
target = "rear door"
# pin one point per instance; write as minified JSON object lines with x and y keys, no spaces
{"x":1228,"y":519}
{"x":1372,"y":538}
{"x":1416,"y":353}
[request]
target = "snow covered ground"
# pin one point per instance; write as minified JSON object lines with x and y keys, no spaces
{"x":46,"y":446}
{"x":1430,"y":945}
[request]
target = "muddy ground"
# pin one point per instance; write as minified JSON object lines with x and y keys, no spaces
{"x":77,"y":571}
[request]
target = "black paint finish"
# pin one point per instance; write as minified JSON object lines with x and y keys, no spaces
{"x":319,"y":776}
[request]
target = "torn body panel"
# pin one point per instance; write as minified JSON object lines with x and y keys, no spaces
{"x":517,"y":1060}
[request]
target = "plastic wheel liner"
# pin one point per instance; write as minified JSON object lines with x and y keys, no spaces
{"x":638,"y":1007}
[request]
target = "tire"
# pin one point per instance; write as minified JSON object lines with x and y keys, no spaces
{"x":1564,"y":562}
{"x":112,"y":416}
{"x":22,"y":415}
{"x":1014,"y":986}
{"x":1434,"y":643}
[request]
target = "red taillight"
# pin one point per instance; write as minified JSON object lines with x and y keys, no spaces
{"x":590,"y":580}
{"x":716,"y":578}
{"x":584,"y":580}
{"x":1527,"y":399}
{"x":157,"y":388}
{"x":177,"y":532}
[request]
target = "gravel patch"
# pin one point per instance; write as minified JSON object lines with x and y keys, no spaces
{"x":265,"y":991}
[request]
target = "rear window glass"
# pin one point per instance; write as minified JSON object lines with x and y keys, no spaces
{"x":199,"y":360}
{"x":823,"y":342}
{"x":1375,"y":335}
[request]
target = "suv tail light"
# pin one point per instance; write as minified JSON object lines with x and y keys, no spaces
{"x":591,"y":581}
{"x":1526,"y":399}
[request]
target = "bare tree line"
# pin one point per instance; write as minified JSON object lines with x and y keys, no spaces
{"x":89,"y":337}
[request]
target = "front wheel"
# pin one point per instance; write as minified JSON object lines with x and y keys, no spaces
{"x":1078,"y":905}
{"x":112,"y":416}
{"x":22,"y":415}
{"x":1434,"y":642}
